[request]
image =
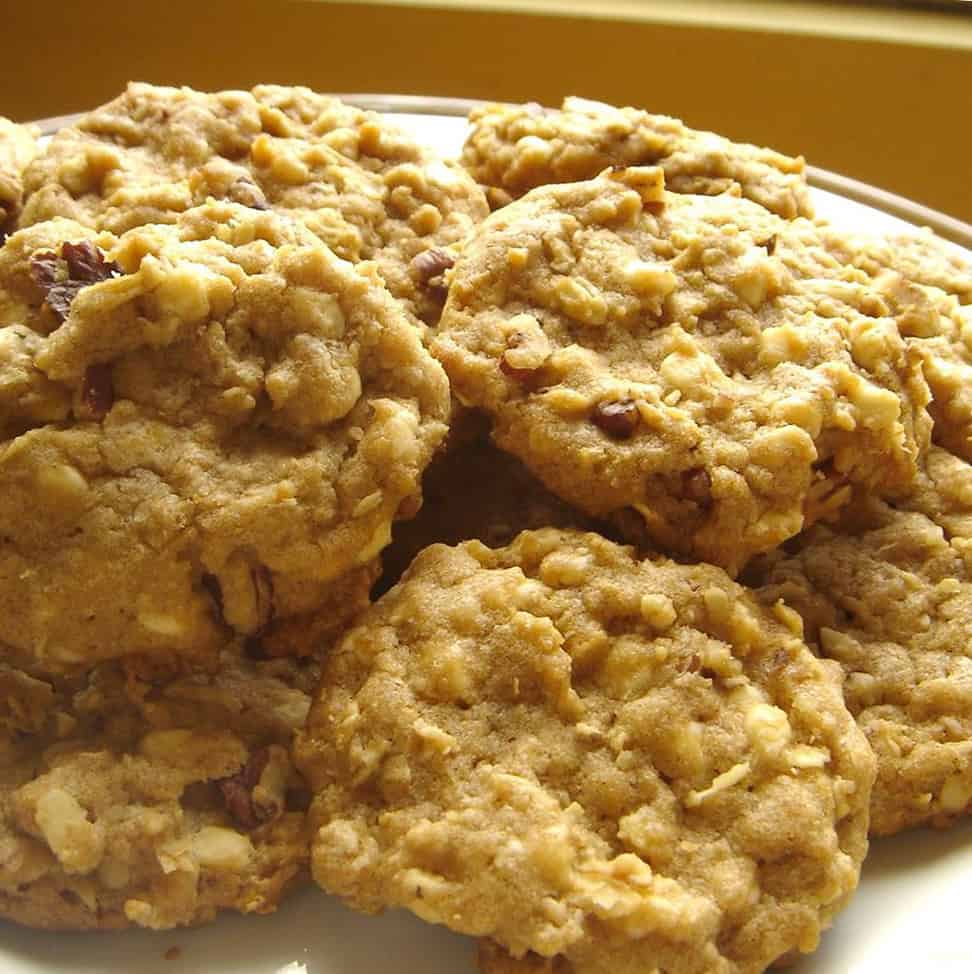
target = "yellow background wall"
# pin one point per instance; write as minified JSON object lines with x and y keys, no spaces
{"x":881,"y":96}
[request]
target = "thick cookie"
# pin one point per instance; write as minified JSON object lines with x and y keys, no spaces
{"x":18,"y":145}
{"x":473,"y":491}
{"x":153,"y":801}
{"x":515,"y":148}
{"x":887,"y":593}
{"x":645,"y":351}
{"x":206,"y":427}
{"x":364,"y":187}
{"x":626,"y":764}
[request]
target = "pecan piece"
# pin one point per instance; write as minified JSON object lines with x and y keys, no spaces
{"x":85,"y":265}
{"x":247,"y":193}
{"x":431,"y":263}
{"x":618,"y":418}
{"x":97,"y":394}
{"x":697,"y":486}
{"x":237,"y":791}
{"x":528,"y":378}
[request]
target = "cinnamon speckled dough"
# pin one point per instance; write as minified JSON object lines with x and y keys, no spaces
{"x":887,"y":593}
{"x":18,"y":145}
{"x":151,"y":799}
{"x":644,"y":351}
{"x":514,"y":148}
{"x":213,"y":438}
{"x":363,"y":186}
{"x":628,"y":764}
{"x":474,"y":491}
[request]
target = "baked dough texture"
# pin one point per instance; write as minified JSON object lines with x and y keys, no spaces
{"x":207,"y":427}
{"x":646,"y":353}
{"x":363,"y":186}
{"x":152,"y":798}
{"x":515,"y":148}
{"x":887,"y":593}
{"x":18,"y":145}
{"x":628,"y":765}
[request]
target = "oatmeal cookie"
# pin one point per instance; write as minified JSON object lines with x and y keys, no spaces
{"x":473,"y":491}
{"x":628,"y":765}
{"x":515,"y":148}
{"x":206,"y":427}
{"x":18,"y":145}
{"x":363,"y":186}
{"x":151,"y":799}
{"x":643,"y":351}
{"x":887,"y":593}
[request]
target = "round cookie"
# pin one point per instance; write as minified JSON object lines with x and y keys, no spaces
{"x":362,"y":185}
{"x":473,"y":491}
{"x":647,"y":353}
{"x":152,"y":799}
{"x":628,"y":765}
{"x":207,"y":427}
{"x":511,"y":149}
{"x":887,"y":593}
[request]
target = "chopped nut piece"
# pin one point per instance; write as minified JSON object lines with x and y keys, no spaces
{"x":697,"y":485}
{"x":431,"y":263}
{"x":237,"y":791}
{"x":85,"y":264}
{"x":618,"y":418}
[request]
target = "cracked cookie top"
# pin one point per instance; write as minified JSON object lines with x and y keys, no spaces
{"x":647,"y":353}
{"x":887,"y":593}
{"x":151,"y":798}
{"x":205,"y":427}
{"x":628,"y":765}
{"x":363,"y":186}
{"x":514,"y":148}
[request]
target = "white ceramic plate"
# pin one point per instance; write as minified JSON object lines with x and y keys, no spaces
{"x":908,"y":916}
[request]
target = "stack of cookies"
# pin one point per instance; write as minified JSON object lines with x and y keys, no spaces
{"x":591,"y":576}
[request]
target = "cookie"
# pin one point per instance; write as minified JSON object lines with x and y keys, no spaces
{"x":924,"y":284}
{"x":206,"y":427}
{"x":515,"y":148}
{"x":628,"y":765}
{"x":646,"y":354}
{"x":474,"y":491}
{"x":362,"y":185}
{"x":18,"y":145}
{"x":154,"y":802}
{"x":887,"y":593}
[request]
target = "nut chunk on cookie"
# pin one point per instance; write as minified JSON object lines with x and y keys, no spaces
{"x":626,"y":764}
{"x":206,"y":427}
{"x":644,"y":352}
{"x":152,"y":801}
{"x":887,"y":593}
{"x":514,"y":148}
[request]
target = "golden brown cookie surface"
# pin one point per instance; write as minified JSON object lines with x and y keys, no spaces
{"x":207,"y":426}
{"x":361,"y":185}
{"x":627,"y":764}
{"x":645,"y":351}
{"x":515,"y":148}
{"x":887,"y":594}
{"x":152,"y":799}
